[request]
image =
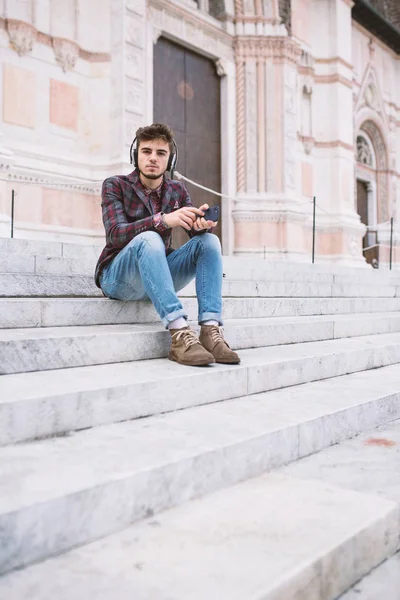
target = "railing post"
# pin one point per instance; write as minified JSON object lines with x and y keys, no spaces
{"x":313,"y":231}
{"x":391,"y":242}
{"x":12,"y":212}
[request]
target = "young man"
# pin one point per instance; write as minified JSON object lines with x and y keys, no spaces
{"x":139,"y":212}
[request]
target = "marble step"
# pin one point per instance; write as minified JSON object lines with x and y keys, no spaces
{"x":47,"y":403}
{"x":289,"y":546}
{"x":63,"y":312}
{"x":234,"y":269}
{"x":46,"y":265}
{"x":40,"y":349}
{"x":63,"y":492}
{"x":33,"y":285}
{"x":382,"y":582}
{"x":33,"y":248}
{"x":368,"y":464}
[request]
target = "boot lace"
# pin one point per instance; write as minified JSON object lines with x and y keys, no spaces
{"x":216,"y":334}
{"x":188,"y":336}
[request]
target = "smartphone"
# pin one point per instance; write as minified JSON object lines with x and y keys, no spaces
{"x":212,"y":214}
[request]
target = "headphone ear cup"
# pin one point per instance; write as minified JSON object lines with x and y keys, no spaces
{"x":135,"y":158}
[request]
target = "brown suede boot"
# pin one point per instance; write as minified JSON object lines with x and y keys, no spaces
{"x":187,"y":350}
{"x":212,"y":339}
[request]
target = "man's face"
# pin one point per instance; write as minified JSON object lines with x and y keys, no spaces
{"x":153,"y":158}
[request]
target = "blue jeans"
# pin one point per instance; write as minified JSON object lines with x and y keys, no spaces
{"x":142,"y":270}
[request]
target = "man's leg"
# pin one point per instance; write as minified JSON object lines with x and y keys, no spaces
{"x":201,"y":258}
{"x":141,"y":271}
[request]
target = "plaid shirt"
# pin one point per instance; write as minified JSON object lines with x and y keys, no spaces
{"x":128,"y":211}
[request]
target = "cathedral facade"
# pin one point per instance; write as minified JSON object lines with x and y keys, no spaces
{"x":273,"y":103}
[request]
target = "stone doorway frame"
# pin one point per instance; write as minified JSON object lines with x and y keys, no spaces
{"x":366,"y":172}
{"x":176,"y":24}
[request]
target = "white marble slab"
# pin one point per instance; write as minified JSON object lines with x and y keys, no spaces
{"x":54,"y":401}
{"x":52,"y":312}
{"x":15,"y":284}
{"x":66,"y":491}
{"x":369,"y":463}
{"x":36,"y":349}
{"x":383,"y":582}
{"x":61,"y":266}
{"x":270,"y":538}
{"x":30,"y":247}
{"x":17,"y":263}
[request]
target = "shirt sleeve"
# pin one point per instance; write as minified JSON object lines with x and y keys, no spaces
{"x":119,"y":231}
{"x":187,"y":201}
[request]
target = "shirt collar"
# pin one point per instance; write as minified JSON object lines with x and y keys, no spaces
{"x":147,"y":190}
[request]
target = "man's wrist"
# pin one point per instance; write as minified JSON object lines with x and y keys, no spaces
{"x":163,"y":221}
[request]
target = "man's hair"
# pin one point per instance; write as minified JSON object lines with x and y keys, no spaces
{"x":155,"y":132}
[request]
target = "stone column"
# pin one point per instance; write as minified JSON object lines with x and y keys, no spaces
{"x":128,"y":34}
{"x":6,"y":162}
{"x":339,"y":231}
{"x":266,"y":76}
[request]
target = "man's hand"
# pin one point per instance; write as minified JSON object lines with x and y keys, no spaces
{"x":200,"y":223}
{"x":183,"y":217}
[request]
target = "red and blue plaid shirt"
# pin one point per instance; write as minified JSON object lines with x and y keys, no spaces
{"x":129,"y":209}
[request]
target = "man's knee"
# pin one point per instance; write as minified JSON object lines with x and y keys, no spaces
{"x":148,"y":240}
{"x":210,"y":242}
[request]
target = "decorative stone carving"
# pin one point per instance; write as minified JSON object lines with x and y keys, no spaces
{"x":134,"y":32}
{"x":221,"y":68}
{"x":156,"y":34}
{"x":370,"y":95}
{"x":66,"y":52}
{"x":353,"y":245}
{"x":378,"y":142}
{"x":279,"y":48}
{"x":371,"y":48}
{"x":251,"y":125}
{"x":196,"y":31}
{"x":308,"y":143}
{"x":364,"y":153}
{"x":22,"y":36}
{"x":240,"y":124}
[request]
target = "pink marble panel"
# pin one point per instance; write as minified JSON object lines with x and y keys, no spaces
{"x":307,"y":177}
{"x":301,"y":19}
{"x":64,"y":104}
{"x":19,"y":96}
{"x":257,"y":234}
{"x":71,"y":209}
{"x":329,"y":243}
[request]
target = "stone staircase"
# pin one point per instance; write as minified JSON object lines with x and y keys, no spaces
{"x":95,"y":447}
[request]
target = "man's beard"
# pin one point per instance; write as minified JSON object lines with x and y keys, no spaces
{"x":151,"y":175}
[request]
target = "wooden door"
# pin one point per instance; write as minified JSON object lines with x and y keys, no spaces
{"x":187,"y":98}
{"x":370,"y":239}
{"x":362,"y":201}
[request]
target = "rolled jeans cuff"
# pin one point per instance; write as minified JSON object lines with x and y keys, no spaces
{"x":173,"y":316}
{"x":209,"y":316}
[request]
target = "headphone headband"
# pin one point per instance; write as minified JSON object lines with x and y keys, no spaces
{"x":172,"y":161}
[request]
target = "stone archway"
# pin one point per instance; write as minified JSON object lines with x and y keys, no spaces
{"x":380,"y":166}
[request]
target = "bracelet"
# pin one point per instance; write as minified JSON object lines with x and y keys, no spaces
{"x":163,"y":221}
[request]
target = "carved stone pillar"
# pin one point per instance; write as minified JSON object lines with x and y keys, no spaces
{"x":127,"y":75}
{"x":266,"y":76}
